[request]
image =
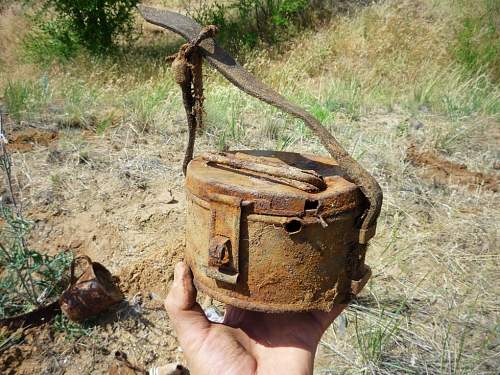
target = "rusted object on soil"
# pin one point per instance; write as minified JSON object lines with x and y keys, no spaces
{"x":258,"y":243}
{"x":236,"y":74}
{"x":92,"y":293}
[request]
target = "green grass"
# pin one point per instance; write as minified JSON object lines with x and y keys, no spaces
{"x":16,"y":96}
{"x":477,"y":46}
{"x":29,"y":278}
{"x":72,"y":331}
{"x":27,"y":99}
{"x":431,"y":306}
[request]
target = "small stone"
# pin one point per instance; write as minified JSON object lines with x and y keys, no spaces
{"x":415,"y":124}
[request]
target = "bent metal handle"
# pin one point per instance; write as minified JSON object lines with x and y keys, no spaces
{"x":242,"y":79}
{"x":308,"y":181}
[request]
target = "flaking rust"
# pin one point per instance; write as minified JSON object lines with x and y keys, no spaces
{"x":91,"y":293}
{"x":257,"y":242}
{"x":269,"y":231}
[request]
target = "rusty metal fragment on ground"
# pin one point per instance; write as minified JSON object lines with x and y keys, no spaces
{"x":93,"y":292}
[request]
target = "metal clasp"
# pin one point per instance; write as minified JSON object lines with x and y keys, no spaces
{"x":223,"y":248}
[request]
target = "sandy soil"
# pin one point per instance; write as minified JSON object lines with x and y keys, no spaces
{"x":119,"y":199}
{"x":123,"y":208}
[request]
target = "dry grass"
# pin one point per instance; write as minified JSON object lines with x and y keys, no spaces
{"x":432,"y":305}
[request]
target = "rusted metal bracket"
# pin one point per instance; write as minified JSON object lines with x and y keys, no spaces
{"x":366,"y":234}
{"x":358,"y":285}
{"x":224,"y":244}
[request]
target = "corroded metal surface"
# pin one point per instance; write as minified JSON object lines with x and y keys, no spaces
{"x":305,"y":180}
{"x":257,"y":243}
{"x":272,"y":197}
{"x":93,"y":292}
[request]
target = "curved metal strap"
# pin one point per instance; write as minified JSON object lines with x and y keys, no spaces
{"x":245,"y":81}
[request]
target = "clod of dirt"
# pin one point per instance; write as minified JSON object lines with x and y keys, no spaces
{"x":56,"y":156}
{"x":151,"y":274}
{"x":24,"y":140}
{"x":444,"y":172}
{"x":10,"y":360}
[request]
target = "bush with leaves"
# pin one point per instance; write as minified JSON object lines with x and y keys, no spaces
{"x":96,"y":23}
{"x":29,"y":279}
{"x":244,"y":23}
{"x":50,"y":40}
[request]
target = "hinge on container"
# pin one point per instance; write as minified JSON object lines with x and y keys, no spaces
{"x":223,"y":248}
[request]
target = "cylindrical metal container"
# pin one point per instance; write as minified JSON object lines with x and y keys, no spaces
{"x":274,"y":231}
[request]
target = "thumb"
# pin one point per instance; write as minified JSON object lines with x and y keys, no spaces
{"x":186,"y":315}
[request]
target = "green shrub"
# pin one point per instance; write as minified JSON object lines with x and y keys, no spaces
{"x":96,"y":23}
{"x":49,"y":41}
{"x":29,"y":278}
{"x":246,"y":22}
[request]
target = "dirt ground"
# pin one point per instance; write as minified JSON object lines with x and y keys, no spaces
{"x":126,"y":211}
{"x":119,"y":199}
{"x":443,"y":172}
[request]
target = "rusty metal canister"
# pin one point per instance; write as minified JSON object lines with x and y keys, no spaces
{"x":274,"y":231}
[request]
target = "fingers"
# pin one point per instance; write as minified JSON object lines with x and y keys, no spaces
{"x":327,"y":318}
{"x":182,"y":294}
{"x":186,"y":315}
{"x":234,"y":316}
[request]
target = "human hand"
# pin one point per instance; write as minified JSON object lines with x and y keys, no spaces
{"x":247,"y":342}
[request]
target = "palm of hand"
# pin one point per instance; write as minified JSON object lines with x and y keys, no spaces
{"x":248,"y":342}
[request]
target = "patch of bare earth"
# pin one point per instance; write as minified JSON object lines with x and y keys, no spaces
{"x":435,"y":168}
{"x":119,"y":200}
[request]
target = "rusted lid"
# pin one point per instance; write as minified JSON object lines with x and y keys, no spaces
{"x":310,"y":185}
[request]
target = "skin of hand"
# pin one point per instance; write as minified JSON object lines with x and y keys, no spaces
{"x":247,"y":342}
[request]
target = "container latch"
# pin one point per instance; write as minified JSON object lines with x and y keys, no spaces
{"x":223,"y":248}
